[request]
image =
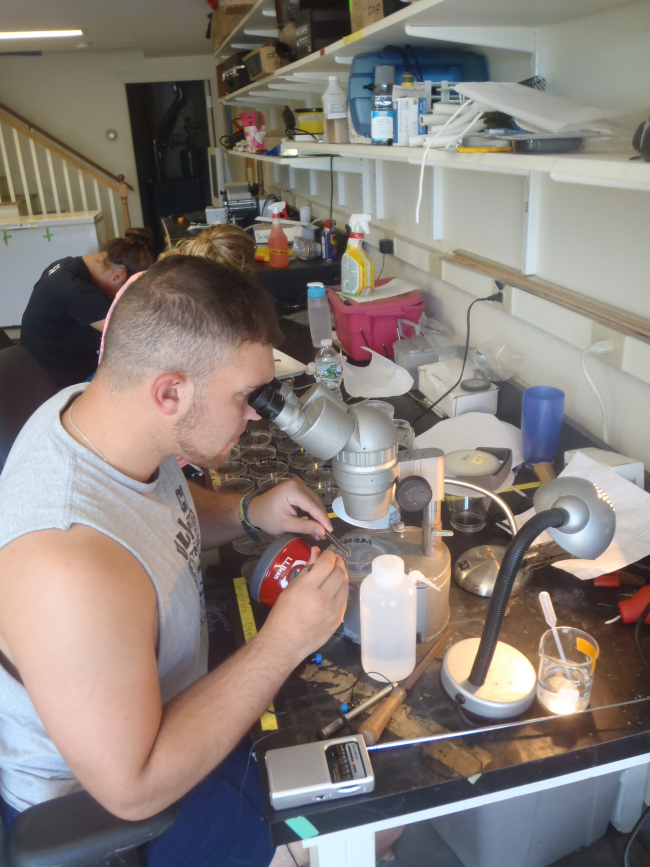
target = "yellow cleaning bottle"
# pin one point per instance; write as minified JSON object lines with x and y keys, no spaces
{"x":357,"y":271}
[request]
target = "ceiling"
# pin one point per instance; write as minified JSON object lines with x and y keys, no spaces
{"x":159,"y":28}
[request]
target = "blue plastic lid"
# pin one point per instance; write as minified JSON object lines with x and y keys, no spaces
{"x":315,"y":290}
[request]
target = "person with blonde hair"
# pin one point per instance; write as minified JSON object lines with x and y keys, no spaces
{"x":227,"y":244}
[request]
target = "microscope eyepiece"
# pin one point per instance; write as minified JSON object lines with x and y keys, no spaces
{"x":267,"y":400}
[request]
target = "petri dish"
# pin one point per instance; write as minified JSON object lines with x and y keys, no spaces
{"x":254,"y":438}
{"x":285,"y":445}
{"x":320,"y":478}
{"x":267,"y":482}
{"x":250,"y":547}
{"x":232,"y":470}
{"x":257,"y":454}
{"x":236,"y":486}
{"x":363,"y":548}
{"x":301,"y":460}
{"x":270,"y":467}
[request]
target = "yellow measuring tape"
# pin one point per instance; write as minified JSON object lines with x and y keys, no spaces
{"x":267,"y":720}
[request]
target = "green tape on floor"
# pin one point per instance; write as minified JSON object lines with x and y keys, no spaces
{"x":302,"y":827}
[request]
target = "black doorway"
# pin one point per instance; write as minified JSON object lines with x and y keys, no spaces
{"x":169,"y":124}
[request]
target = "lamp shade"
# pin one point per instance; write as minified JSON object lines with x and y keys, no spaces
{"x":591,"y":521}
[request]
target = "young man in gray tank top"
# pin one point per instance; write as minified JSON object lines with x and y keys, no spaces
{"x":103,"y":675}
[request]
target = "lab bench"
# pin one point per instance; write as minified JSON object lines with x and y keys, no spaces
{"x":589,"y":768}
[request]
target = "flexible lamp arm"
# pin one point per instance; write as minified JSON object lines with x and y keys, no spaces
{"x":503,"y":586}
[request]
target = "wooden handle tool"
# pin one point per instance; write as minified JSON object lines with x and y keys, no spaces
{"x":373,"y":727}
{"x":545,"y":472}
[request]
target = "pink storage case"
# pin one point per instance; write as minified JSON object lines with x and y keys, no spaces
{"x":372,"y":323}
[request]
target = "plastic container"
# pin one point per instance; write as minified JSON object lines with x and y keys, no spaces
{"x":278,"y":242}
{"x":542,"y":412}
{"x":357,"y":271}
{"x":329,"y":368}
{"x":412,"y":352}
{"x":335,"y":112}
{"x":388,"y":605}
{"x":382,"y":112}
{"x":371,"y":323}
{"x":318,"y":308}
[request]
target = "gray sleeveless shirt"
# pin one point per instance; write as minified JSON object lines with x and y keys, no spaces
{"x":51,"y":481}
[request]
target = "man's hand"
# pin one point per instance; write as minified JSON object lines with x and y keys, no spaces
{"x":309,"y":611}
{"x":277,"y":510}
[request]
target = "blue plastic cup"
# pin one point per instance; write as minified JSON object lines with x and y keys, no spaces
{"x":542,"y":411}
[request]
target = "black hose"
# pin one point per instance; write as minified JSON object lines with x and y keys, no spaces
{"x":503,"y":587}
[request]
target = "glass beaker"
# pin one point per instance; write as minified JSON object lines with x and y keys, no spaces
{"x":565,"y":686}
{"x":467,"y":514}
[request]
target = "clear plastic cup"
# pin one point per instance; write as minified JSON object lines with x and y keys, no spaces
{"x":232,"y":470}
{"x":254,"y":438}
{"x":405,"y":433}
{"x":467,"y":514}
{"x":268,"y":468}
{"x":564,"y":686}
{"x":257,"y":454}
{"x":236,"y":486}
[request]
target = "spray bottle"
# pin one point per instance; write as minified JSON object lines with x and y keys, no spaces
{"x":357,"y":271}
{"x":278,"y":243}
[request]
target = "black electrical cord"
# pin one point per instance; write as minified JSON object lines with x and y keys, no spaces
{"x":331,"y":184}
{"x":498,"y":296}
{"x":383,"y":262}
{"x":637,"y":636}
{"x":633,"y":835}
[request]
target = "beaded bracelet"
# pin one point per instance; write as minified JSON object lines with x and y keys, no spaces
{"x":243,"y":517}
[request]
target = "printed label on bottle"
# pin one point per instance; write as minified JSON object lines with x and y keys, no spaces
{"x":349,"y":276}
{"x":274,"y":252}
{"x":335,"y":111}
{"x":381,"y":125}
{"x":328,"y":370}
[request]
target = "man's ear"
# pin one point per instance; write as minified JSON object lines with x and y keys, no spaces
{"x":172,"y":393}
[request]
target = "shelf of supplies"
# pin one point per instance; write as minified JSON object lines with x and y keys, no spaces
{"x":250,"y":32}
{"x":591,"y":167}
{"x":506,"y":24}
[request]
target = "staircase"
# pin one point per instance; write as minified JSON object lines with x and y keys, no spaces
{"x":39,"y":174}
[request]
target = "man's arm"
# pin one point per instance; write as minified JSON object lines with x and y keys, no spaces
{"x":78,"y":618}
{"x":276,"y":511}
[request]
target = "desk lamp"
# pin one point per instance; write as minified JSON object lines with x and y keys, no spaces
{"x":486,"y":676}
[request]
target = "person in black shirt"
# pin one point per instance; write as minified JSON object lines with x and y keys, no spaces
{"x":64,"y":318}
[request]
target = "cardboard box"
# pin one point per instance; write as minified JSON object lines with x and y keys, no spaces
{"x":224,"y":21}
{"x":365,"y":12}
{"x":318,"y":28}
{"x":263,"y":61}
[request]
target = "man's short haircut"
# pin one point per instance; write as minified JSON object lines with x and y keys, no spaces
{"x":186,"y":314}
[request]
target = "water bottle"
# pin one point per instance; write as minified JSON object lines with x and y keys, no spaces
{"x":318,"y":309}
{"x":388,"y":602}
{"x":381,"y":123}
{"x":328,"y":367}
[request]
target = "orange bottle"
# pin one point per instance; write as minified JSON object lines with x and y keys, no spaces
{"x":278,"y":243}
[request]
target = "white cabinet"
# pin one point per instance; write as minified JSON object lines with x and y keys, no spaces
{"x":29,"y":244}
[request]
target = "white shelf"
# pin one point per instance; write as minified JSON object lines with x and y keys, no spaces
{"x":263,"y":158}
{"x":512,"y":25}
{"x":260,"y":17}
{"x":590,"y":167}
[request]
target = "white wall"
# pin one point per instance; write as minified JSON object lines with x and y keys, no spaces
{"x":77,"y":96}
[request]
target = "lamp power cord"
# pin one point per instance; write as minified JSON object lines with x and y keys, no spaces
{"x":601,"y":347}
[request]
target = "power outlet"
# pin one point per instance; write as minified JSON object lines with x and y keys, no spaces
{"x":604,"y":332}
